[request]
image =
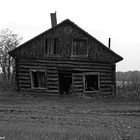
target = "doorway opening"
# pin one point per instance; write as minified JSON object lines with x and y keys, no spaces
{"x":65,"y":82}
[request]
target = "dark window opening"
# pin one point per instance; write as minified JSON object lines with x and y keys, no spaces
{"x":92,"y":82}
{"x":51,"y":46}
{"x":79,"y":47}
{"x":38,"y":79}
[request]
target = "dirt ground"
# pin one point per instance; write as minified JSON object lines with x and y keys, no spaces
{"x":74,"y":115}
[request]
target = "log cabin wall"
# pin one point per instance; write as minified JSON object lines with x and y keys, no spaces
{"x":105,"y":71}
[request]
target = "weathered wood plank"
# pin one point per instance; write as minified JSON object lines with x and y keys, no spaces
{"x":52,"y":87}
{"x":63,"y":62}
{"x":26,"y":78}
{"x":24,"y":81}
{"x":77,"y":82}
{"x":52,"y":79}
{"x":24,"y":86}
{"x":53,"y":84}
{"x":85,"y":68}
{"x":51,"y":72}
{"x":52,"y":91}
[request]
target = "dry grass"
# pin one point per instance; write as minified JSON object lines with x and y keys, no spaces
{"x":31,"y":133}
{"x":68,"y":118}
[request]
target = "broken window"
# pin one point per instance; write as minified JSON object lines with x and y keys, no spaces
{"x":52,"y":46}
{"x":79,"y":47}
{"x":38,"y":79}
{"x":91,"y":82}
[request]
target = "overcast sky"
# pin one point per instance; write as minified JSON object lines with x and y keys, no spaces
{"x":118,"y":19}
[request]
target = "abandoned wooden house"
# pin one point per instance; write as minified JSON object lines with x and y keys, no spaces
{"x":65,"y":59}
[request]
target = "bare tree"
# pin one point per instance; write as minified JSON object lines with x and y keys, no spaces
{"x":8,"y":41}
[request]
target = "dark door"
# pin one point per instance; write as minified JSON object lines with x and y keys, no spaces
{"x":65,"y":82}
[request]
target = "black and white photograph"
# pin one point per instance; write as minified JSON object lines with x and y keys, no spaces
{"x":69,"y":70}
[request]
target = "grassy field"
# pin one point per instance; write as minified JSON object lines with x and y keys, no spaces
{"x":68,"y":118}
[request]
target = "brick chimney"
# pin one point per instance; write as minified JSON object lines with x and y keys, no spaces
{"x":109,"y":43}
{"x":53,"y":19}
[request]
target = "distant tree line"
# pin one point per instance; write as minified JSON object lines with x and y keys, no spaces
{"x":129,"y":76}
{"x":128,"y":85}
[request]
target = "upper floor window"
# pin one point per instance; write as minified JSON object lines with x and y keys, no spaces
{"x":52,"y":46}
{"x":79,"y":47}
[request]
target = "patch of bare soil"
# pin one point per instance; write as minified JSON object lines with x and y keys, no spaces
{"x":68,"y":113}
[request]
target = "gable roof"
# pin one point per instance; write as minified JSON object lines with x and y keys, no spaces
{"x":76,"y":26}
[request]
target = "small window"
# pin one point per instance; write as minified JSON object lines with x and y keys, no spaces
{"x":52,"y":46}
{"x":91,"y":82}
{"x":79,"y":47}
{"x":38,"y":79}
